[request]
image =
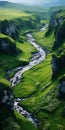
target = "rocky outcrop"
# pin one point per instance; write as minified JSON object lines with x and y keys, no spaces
{"x":54,"y":66}
{"x":9,"y":28}
{"x":56,"y":21}
{"x":61,"y":88}
{"x":6,"y":96}
{"x":13,"y":27}
{"x":8,"y":99}
{"x":59,"y":35}
{"x":7,"y":46}
{"x":57,"y":25}
{"x":57,"y":64}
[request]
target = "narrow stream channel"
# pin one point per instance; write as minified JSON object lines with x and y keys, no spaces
{"x":35,"y":60}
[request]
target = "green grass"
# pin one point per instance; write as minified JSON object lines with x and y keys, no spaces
{"x":41,"y":100}
{"x":23,"y":57}
{"x":9,"y":62}
{"x":27,"y":51}
{"x":41,"y":91}
{"x":45,"y":106}
{"x":55,"y":119}
{"x":46,"y":42}
{"x":8,"y":119}
{"x":5,"y":36}
{"x":5,"y":83}
{"x":37,"y":85}
{"x":11,"y":14}
{"x":34,"y":79}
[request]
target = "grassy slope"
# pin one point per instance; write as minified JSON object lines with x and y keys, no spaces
{"x":9,"y":62}
{"x":45,"y":90}
{"x":34,"y":79}
{"x":46,"y":42}
{"x":37,"y":82}
{"x":8,"y":14}
{"x":43,"y":102}
{"x":26,"y":50}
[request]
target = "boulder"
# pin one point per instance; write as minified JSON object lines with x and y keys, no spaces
{"x":7,"y":98}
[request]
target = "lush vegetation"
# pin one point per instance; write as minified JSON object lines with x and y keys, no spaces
{"x":8,"y":14}
{"x":13,"y":120}
{"x":43,"y":102}
{"x":37,"y":85}
{"x":9,"y":119}
{"x":46,"y":42}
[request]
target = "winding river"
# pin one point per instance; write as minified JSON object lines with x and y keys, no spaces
{"x":35,"y":60}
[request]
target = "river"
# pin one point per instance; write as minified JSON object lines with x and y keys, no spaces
{"x":35,"y":60}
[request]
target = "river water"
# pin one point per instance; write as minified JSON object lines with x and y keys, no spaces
{"x":35,"y":60}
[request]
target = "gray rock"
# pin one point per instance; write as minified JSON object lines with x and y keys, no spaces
{"x":5,"y":98}
{"x":10,"y":29}
{"x":61,"y":88}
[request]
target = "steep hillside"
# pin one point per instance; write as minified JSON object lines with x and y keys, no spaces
{"x":7,"y":45}
{"x":14,"y":51}
{"x":59,"y":45}
{"x":42,"y":88}
{"x":48,"y":77}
